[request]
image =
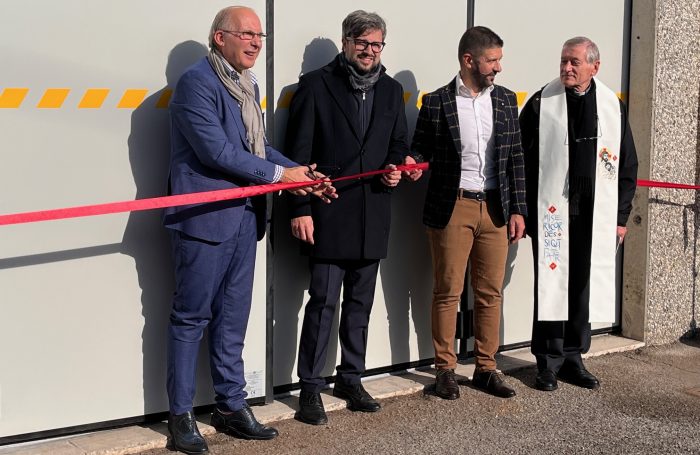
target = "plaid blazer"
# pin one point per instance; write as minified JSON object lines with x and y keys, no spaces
{"x":437,"y":140}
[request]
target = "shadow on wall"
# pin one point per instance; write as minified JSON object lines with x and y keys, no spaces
{"x":291,"y":276}
{"x":145,"y":239}
{"x":406,"y":274}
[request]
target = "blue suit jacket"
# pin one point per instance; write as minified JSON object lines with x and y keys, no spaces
{"x":209,"y":152}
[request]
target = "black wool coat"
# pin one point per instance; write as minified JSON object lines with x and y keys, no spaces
{"x":324,"y":128}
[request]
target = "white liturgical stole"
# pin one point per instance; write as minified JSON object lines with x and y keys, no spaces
{"x":553,"y":206}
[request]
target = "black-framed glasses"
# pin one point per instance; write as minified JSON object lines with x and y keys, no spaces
{"x":246,"y":35}
{"x":599,"y":134}
{"x":361,"y":44}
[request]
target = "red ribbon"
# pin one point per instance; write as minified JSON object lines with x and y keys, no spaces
{"x":176,"y":200}
{"x":655,"y":184}
{"x":222,"y":195}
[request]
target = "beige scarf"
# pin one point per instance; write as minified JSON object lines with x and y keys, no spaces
{"x":243,"y":91}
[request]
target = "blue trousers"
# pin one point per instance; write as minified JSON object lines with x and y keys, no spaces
{"x":213,"y":290}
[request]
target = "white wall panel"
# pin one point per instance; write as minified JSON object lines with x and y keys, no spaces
{"x":534,"y":31}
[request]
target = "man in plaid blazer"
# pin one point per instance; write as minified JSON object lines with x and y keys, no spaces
{"x":475,"y":204}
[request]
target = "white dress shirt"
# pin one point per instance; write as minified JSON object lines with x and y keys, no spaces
{"x":475,"y":113}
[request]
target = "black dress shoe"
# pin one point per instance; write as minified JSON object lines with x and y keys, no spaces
{"x":492,"y":382}
{"x":446,"y":385}
{"x":578,"y":376}
{"x":546,"y":380}
{"x":357,"y":397}
{"x":242,"y":424}
{"x":185,"y":434}
{"x":311,"y":409}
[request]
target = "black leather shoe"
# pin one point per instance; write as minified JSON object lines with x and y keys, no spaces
{"x":311,"y":409}
{"x":357,"y":397}
{"x":185,"y":434}
{"x":492,"y":382}
{"x":546,"y":380}
{"x":241,"y":424}
{"x":446,"y":385}
{"x":578,"y":376}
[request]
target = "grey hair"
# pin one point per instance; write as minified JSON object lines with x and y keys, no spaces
{"x":592,"y":52}
{"x":359,"y":22}
{"x":222,"y":21}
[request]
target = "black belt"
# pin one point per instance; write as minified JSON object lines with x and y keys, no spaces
{"x":477,"y":195}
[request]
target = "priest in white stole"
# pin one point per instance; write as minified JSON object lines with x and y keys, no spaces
{"x":581,"y":169}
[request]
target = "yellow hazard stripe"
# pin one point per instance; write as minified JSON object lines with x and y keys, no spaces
{"x":53,"y":98}
{"x":12,"y":97}
{"x":132,"y":98}
{"x":285,"y":99}
{"x":164,"y":99}
{"x":93,"y":98}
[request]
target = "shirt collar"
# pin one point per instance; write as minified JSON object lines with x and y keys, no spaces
{"x":462,"y":89}
{"x":585,"y":92}
{"x":235,"y":75}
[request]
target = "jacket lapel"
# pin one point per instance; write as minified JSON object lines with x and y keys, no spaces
{"x":231,"y":104}
{"x":337,"y":86}
{"x":381,"y":101}
{"x":237,"y":115}
{"x":499,"y":119}
{"x":449,"y":104}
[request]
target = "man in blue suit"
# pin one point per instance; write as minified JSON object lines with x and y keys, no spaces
{"x":218,"y":142}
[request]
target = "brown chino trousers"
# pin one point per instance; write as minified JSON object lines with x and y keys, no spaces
{"x":476,"y":233}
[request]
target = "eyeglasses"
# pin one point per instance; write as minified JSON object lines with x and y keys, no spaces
{"x":599,"y":134}
{"x":246,"y":35}
{"x":361,"y":45}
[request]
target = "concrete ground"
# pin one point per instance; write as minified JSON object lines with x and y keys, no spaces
{"x":649,"y":402}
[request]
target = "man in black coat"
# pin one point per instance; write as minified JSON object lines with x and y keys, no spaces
{"x":348,"y":117}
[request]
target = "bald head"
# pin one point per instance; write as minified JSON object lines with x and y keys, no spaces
{"x":237,"y":34}
{"x":229,"y":19}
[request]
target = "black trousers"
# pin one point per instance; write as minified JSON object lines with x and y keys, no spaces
{"x":358,"y":279}
{"x":555,"y":343}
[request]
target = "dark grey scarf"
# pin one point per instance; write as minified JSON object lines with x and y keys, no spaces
{"x":361,"y":82}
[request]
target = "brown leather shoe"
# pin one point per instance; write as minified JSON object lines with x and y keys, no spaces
{"x":492,"y":382}
{"x":446,"y":385}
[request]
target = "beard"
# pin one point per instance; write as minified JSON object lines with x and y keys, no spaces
{"x":355,"y":62}
{"x":483,"y":81}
